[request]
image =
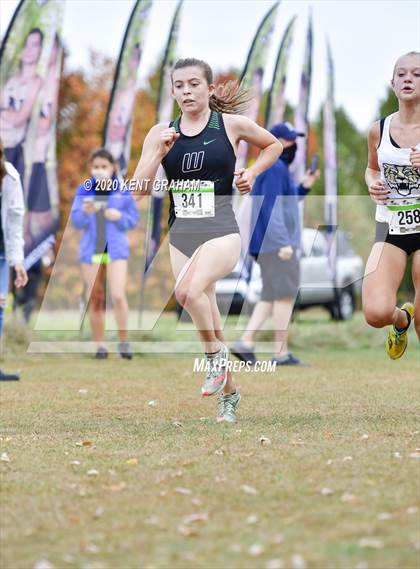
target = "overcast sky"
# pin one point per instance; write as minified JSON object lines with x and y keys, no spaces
{"x":366,"y":37}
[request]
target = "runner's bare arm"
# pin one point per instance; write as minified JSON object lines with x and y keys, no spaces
{"x":246,"y":129}
{"x":157,"y":144}
{"x":377,"y":190}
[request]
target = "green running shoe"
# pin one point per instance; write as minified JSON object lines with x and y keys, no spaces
{"x":216,"y":377}
{"x":228,"y":404}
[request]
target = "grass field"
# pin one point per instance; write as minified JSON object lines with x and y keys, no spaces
{"x":93,"y":476}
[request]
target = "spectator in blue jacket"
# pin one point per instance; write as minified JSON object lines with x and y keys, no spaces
{"x":275,"y":244}
{"x":105,"y":212}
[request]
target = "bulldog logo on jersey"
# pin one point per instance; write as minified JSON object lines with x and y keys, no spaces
{"x":402,"y":180}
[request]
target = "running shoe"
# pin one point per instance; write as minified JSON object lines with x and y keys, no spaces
{"x":243,"y":352}
{"x":228,"y":405}
{"x":8,"y":376}
{"x":396,"y":343}
{"x":125,"y":351}
{"x":288,"y":360}
{"x":101,"y":354}
{"x":216,"y":376}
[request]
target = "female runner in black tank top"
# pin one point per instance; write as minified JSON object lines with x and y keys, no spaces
{"x":388,"y":259}
{"x":204,"y":237}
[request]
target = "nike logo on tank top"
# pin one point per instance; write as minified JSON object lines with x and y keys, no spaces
{"x":200,"y":171}
{"x":402,"y":210}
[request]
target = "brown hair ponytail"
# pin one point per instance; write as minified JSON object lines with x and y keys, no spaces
{"x":228,"y":97}
{"x":3,"y":170}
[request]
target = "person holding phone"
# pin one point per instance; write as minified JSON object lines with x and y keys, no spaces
{"x":105,"y":213}
{"x":275,"y":245}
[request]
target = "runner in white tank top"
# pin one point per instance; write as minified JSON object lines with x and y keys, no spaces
{"x":393,"y":179}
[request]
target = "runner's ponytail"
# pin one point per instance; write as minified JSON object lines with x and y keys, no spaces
{"x":228,"y":97}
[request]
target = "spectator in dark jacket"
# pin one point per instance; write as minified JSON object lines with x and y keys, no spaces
{"x":275,"y":244}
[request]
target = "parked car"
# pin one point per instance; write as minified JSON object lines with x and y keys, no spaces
{"x":236,"y":292}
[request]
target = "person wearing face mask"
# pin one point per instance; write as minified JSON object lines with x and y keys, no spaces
{"x":275,"y":244}
{"x":105,"y":212}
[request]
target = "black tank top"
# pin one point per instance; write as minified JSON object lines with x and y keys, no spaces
{"x":207,"y":156}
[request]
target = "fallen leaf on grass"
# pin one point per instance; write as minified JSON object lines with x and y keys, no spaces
{"x":187,"y":531}
{"x":196,"y":502}
{"x":415,"y":545}
{"x":115,"y":488}
{"x":196,"y":517}
{"x":274,"y":564}
{"x":188,"y":556}
{"x":278,"y":538}
{"x":132,"y":461}
{"x":177,"y":474}
{"x":249,"y":490}
{"x":218,"y":479}
{"x":185,"y":491}
{"x":298,"y":562}
{"x":256,"y":549}
{"x":43,"y":564}
{"x":98,"y":513}
{"x":4,"y":457}
{"x":84,"y":444}
{"x":371,"y":543}
{"x":152,"y":520}
{"x":385,"y":516}
{"x":348,"y":497}
{"x":236,"y":548}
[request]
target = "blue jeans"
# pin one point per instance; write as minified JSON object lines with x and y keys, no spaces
{"x":4,"y":288}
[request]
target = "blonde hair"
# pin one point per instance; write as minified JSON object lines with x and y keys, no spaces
{"x":228,"y":97}
{"x":410,"y":53}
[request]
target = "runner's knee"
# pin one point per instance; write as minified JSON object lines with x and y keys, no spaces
{"x":118,"y":299}
{"x":186,"y":295}
{"x":378,"y":314}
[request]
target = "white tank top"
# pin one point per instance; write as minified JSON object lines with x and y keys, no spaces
{"x":398,"y":175}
